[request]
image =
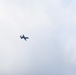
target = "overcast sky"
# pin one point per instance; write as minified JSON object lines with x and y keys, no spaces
{"x":51,"y":28}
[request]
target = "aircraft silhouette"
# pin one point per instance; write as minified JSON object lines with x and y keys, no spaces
{"x":23,"y":37}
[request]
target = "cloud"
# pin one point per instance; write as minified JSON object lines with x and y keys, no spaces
{"x":50,"y":26}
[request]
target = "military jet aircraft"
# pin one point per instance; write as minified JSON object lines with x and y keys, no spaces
{"x":23,"y":37}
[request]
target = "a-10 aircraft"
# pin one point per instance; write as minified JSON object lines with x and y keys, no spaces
{"x":23,"y":37}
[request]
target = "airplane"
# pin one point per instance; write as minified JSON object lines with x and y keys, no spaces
{"x":23,"y":37}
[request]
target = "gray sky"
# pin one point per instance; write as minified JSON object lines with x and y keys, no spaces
{"x":51,"y":27}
